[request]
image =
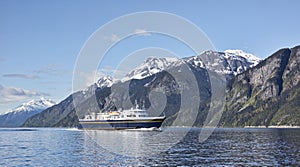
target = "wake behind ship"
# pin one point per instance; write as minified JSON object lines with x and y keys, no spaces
{"x":123,"y":119}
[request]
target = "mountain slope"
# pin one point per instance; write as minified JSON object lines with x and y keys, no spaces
{"x":20,"y":114}
{"x":267,"y":94}
{"x":126,"y":95}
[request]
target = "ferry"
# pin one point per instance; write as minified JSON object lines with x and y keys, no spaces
{"x":122,"y":119}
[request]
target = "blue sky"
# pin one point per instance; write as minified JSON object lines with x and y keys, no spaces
{"x":40,"y":39}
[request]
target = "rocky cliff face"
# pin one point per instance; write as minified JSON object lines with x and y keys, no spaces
{"x":262,"y":94}
{"x":291,"y":75}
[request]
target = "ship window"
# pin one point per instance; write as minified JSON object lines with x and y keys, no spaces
{"x":133,"y":115}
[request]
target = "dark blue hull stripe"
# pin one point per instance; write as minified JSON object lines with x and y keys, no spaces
{"x":121,"y":124}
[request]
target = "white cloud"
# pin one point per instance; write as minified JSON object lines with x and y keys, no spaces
{"x":142,"y":32}
{"x":13,"y":94}
{"x":112,"y":38}
{"x":53,"y":69}
{"x":115,"y":37}
{"x":23,"y":76}
{"x":116,"y":73}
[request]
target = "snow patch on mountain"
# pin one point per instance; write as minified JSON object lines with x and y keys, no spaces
{"x":150,"y":66}
{"x":105,"y":81}
{"x":230,"y":62}
{"x":254,"y":60}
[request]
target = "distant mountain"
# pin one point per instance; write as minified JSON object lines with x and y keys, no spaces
{"x":267,"y":94}
{"x":64,"y":114}
{"x":18,"y":116}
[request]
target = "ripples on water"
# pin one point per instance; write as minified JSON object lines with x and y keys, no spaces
{"x":229,"y":147}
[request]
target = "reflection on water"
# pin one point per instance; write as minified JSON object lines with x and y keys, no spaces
{"x":137,"y":143}
{"x":231,"y":147}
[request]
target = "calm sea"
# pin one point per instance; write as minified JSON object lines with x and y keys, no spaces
{"x":225,"y":147}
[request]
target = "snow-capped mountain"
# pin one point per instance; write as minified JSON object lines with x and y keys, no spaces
{"x":18,"y":115}
{"x":149,"y":67}
{"x":252,"y":59}
{"x":34,"y":105}
{"x":230,"y":62}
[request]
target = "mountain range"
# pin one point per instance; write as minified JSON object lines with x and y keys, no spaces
{"x":20,"y":114}
{"x":258,"y":92}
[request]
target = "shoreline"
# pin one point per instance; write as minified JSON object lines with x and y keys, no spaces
{"x":274,"y":127}
{"x":246,"y":127}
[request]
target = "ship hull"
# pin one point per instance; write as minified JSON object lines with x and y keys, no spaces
{"x":120,"y":124}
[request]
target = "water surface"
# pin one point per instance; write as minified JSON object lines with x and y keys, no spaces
{"x":71,"y":147}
